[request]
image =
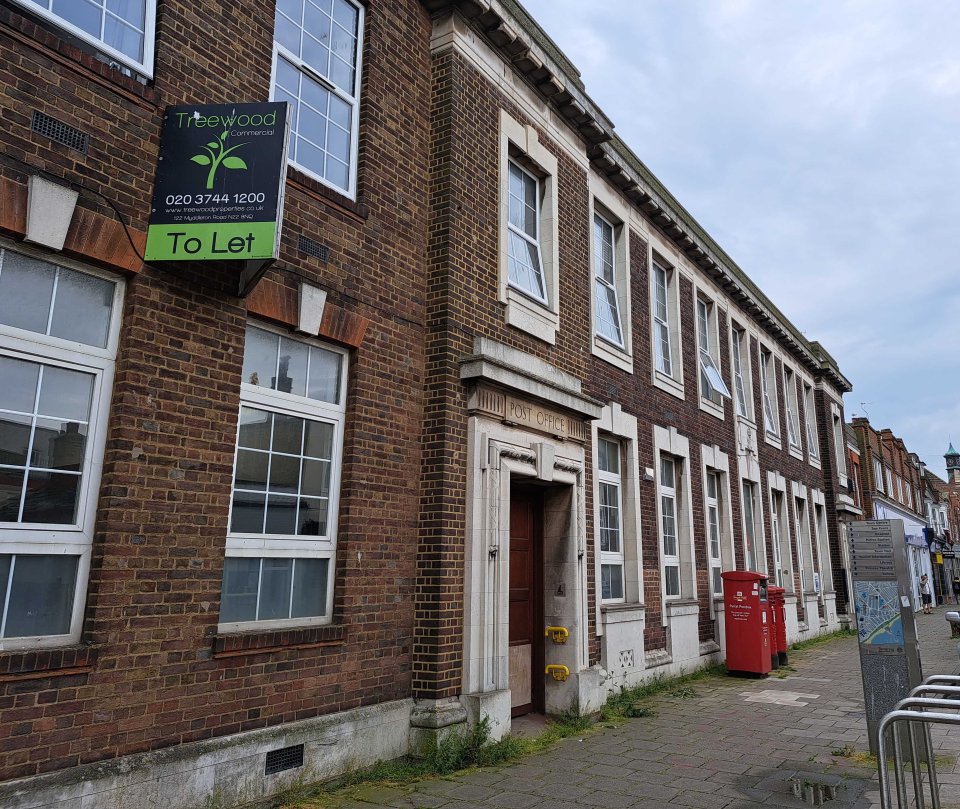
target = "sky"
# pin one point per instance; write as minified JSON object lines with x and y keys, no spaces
{"x":818,"y":142}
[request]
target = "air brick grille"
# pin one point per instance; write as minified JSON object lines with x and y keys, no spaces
{"x":313,"y":248}
{"x":286,"y":758}
{"x":59,"y":132}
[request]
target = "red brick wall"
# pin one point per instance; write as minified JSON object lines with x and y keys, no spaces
{"x":151,"y":671}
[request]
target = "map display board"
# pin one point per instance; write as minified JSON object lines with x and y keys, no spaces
{"x":878,"y":613}
{"x":886,"y":630}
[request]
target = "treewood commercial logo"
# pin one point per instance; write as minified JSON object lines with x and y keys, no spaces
{"x":219,"y":186}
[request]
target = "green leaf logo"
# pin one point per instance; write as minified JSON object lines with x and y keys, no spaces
{"x":217,"y":155}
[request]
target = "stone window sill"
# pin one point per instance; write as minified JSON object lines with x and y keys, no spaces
{"x":239,"y":644}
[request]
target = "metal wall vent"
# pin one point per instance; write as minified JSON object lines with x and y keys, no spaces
{"x":313,"y":248}
{"x":286,"y":758}
{"x":60,"y":132}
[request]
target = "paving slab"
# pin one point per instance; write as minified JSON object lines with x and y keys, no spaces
{"x":724,"y":743}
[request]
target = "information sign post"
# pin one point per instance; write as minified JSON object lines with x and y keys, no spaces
{"x":886,"y":629}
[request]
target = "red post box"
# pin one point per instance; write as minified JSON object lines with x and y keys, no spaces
{"x":778,"y":640}
{"x":746,"y":621}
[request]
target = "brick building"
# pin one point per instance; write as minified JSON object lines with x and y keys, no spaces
{"x":210,"y":582}
{"x":535,"y":393}
{"x":892,"y":489}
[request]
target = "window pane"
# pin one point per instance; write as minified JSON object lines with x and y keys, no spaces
{"x":14,"y":439}
{"x":254,"y":430}
{"x":246,"y":515}
{"x":717,"y":581}
{"x":672,"y":580}
{"x":19,"y":388}
{"x":58,"y":445}
{"x":239,"y":601}
{"x":310,"y":588}
{"x":260,"y":357}
{"x":129,"y":10}
{"x":338,"y":143}
{"x":65,"y":394}
{"x":284,"y":474}
{"x":41,"y":596}
{"x":312,"y":517}
{"x":122,"y":37}
{"x":11,"y":489}
{"x":324,"y":375}
{"x":609,"y":456}
{"x":712,"y":485}
{"x":611,"y":581}
{"x":319,"y":440}
{"x":5,"y":561}
{"x":26,"y":289}
{"x":292,"y":368}
{"x":315,"y":480}
{"x":287,"y":434}
{"x":281,"y":515}
{"x":51,"y":498}
{"x":667,"y":473}
{"x":276,"y":580}
{"x":251,"y":470}
{"x":608,"y":314}
{"x":83,"y":305}
{"x":80,"y":13}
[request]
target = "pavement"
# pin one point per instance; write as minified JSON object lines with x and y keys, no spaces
{"x":719,"y":743}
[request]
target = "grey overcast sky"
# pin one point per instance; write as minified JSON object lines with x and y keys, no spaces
{"x":817,"y":142}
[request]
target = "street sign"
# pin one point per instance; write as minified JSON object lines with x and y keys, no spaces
{"x":886,"y":630}
{"x":220,"y":179}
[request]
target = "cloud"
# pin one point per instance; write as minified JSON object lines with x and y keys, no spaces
{"x":819,"y":144}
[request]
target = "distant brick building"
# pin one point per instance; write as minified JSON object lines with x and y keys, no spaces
{"x":892,"y":489}
{"x":237,"y":548}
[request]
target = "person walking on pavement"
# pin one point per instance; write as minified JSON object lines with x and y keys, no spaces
{"x":956,"y":589}
{"x":925,"y":596}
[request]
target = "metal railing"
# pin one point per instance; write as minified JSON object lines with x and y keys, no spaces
{"x":919,"y":712}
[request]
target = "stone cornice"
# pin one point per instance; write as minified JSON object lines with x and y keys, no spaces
{"x":522,"y":43}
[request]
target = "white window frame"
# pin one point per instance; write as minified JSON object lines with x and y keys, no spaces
{"x":878,"y":477}
{"x":810,"y":423}
{"x":776,"y":534}
{"x":713,"y":524}
{"x":792,"y":411}
{"x":748,"y":494}
{"x":265,"y":546}
{"x":741,"y":371}
{"x":531,"y":239}
{"x":889,"y":474}
{"x":668,"y":494}
{"x":54,"y":538}
{"x":608,"y":206}
{"x":667,"y":367}
{"x":824,"y":564}
{"x":839,"y":444}
{"x":352,"y":100}
{"x":771,"y":405}
{"x":144,"y":68}
{"x":608,"y":558}
{"x":782,"y":551}
{"x":801,"y":519}
{"x":716,"y":462}
{"x":521,"y":146}
{"x":713,"y":390}
{"x":615,"y":425}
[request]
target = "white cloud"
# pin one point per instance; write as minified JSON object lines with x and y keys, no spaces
{"x":818,"y":143}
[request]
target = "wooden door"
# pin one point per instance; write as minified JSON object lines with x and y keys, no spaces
{"x":526,"y":603}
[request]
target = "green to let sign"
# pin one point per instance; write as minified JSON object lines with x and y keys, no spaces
{"x":219,"y":186}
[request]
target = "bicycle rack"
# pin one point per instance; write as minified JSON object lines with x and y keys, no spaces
{"x":915,"y":711}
